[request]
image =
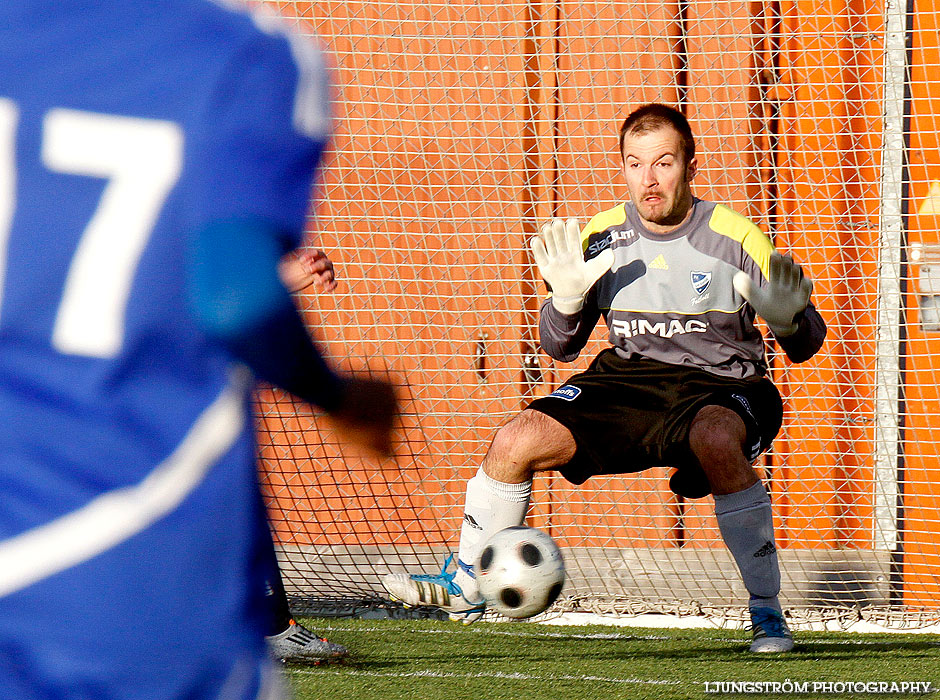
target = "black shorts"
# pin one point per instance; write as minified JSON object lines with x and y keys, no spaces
{"x":630,"y":415}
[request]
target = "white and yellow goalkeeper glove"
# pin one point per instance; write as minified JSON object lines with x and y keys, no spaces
{"x":785,"y":296}
{"x":558,"y":253}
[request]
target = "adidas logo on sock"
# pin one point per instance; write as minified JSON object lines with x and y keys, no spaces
{"x":471,"y":522}
{"x":766,"y":549}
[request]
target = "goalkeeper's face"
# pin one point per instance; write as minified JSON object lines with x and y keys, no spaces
{"x":659,"y":180}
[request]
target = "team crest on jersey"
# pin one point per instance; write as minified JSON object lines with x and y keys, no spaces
{"x":700,"y":281}
{"x":566,"y":392}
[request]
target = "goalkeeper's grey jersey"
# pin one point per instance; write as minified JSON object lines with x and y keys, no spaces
{"x":669,"y":297}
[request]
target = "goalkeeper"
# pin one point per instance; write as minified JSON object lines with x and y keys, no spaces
{"x":678,"y":281}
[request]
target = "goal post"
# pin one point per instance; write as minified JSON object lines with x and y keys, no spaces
{"x":461,"y":125}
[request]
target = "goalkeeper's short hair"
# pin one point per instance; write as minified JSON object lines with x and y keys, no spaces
{"x":655,"y":116}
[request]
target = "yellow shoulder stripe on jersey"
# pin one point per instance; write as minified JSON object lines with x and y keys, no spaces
{"x":728,"y":222}
{"x":604,"y":220}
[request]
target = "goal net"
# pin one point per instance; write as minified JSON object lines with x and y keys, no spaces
{"x":461,"y":125}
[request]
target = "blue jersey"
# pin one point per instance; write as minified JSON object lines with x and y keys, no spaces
{"x":131,"y":526}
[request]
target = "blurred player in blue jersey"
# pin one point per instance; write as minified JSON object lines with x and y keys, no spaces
{"x":156,"y":161}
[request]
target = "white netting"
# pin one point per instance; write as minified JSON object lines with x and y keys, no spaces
{"x":460,"y":125}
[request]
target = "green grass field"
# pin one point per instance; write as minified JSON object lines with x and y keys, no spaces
{"x":431,"y":660}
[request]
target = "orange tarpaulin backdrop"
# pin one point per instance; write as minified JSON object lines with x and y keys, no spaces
{"x":460,"y":127}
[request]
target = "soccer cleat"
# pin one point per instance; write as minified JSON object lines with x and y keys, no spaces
{"x":300,"y":645}
{"x":436,"y":591}
{"x":771,"y":634}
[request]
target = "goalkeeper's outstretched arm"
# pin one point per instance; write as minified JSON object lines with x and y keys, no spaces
{"x":783,"y":302}
{"x":568,"y":317}
{"x":807,"y":339}
{"x":563,"y":336}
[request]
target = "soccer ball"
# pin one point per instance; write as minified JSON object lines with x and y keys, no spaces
{"x":520,"y":571}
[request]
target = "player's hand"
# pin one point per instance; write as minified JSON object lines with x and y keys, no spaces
{"x":785,"y":295}
{"x":319,"y":269}
{"x":311,"y":267}
{"x":558,"y":253}
{"x":367,"y":415}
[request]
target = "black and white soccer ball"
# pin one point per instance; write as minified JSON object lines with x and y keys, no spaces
{"x":520,"y":571}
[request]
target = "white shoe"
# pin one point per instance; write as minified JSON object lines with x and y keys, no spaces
{"x":298,"y":644}
{"x":436,"y":591}
{"x":771,"y":634}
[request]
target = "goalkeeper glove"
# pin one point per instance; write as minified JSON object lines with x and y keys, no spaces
{"x":782,"y":299}
{"x":558,"y":253}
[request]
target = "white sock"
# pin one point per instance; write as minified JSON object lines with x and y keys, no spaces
{"x":490,"y":506}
